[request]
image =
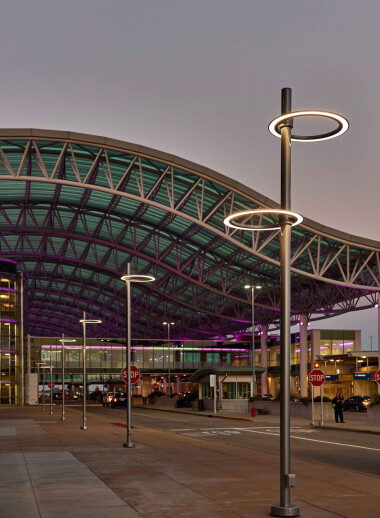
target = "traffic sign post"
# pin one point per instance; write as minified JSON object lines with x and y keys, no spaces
{"x":317,"y":379}
{"x":135,"y":374}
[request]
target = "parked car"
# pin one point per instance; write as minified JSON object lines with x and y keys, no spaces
{"x":268,"y":397}
{"x":108,"y":397}
{"x":119,"y":399}
{"x":357,"y":403}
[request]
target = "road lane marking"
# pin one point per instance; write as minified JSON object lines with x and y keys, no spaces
{"x":317,"y":440}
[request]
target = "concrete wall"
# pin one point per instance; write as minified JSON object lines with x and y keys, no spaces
{"x":373,"y":414}
{"x":31,"y":395}
{"x":297,"y":409}
{"x":166,"y":402}
{"x":234,"y":405}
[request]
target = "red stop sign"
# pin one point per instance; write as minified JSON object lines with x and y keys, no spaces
{"x":377,"y":377}
{"x":317,"y":377}
{"x":51,"y":385}
{"x":135,"y":374}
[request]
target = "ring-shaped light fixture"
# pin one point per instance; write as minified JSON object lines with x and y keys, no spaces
{"x":90,"y":321}
{"x":229,"y":221}
{"x":138,"y":278}
{"x":274,"y":126}
{"x":64,"y":340}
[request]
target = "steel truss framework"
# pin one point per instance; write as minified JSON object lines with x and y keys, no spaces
{"x":76,"y":208}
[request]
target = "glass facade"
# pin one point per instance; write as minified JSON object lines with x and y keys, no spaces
{"x":337,"y":342}
{"x":107,"y":357}
{"x":10,"y":336}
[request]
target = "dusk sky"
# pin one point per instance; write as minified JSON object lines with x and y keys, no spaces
{"x":202,"y":80}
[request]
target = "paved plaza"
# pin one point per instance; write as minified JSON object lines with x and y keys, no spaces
{"x":51,"y":468}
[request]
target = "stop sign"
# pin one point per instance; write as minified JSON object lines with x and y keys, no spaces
{"x":377,"y":377}
{"x":135,"y":374}
{"x":317,"y":377}
{"x":51,"y":385}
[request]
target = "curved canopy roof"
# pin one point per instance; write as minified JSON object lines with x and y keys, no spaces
{"x":76,"y":208}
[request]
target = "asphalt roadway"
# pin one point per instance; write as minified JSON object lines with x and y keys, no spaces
{"x":350,"y":450}
{"x":183,"y":465}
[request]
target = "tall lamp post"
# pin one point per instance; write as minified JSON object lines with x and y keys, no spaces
{"x":84,"y":322}
{"x":63,"y":340}
{"x":38,"y":383}
{"x":253,"y":363}
{"x":128,"y":278}
{"x":168,"y":324}
{"x":282,"y":127}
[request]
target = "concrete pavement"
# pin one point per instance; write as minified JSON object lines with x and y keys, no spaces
{"x":53,"y":468}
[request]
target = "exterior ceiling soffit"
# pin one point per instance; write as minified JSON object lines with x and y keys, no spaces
{"x":319,"y":276}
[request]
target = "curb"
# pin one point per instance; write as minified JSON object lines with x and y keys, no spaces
{"x":231,"y":418}
{"x":344,"y":429}
{"x":195,"y":413}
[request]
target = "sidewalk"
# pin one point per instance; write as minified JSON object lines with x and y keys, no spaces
{"x":354,"y":422}
{"x":52,"y":468}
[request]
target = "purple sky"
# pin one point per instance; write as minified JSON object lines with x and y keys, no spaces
{"x":202,"y":79}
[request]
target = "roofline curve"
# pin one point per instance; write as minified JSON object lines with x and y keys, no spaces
{"x":84,"y":138}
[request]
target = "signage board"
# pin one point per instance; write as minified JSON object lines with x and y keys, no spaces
{"x":362,"y":375}
{"x":377,"y":377}
{"x":317,"y":377}
{"x":331,"y":377}
{"x":212,"y":380}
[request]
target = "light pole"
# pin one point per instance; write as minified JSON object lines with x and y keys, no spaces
{"x":63,"y":340}
{"x":38,"y":383}
{"x":281,"y":127}
{"x":253,"y":363}
{"x":51,"y":382}
{"x":128,"y":278}
{"x":85,"y":321}
{"x":168,"y":324}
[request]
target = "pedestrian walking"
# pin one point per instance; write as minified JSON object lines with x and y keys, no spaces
{"x":337,"y":404}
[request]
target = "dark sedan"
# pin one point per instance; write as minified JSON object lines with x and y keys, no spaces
{"x":119,"y":399}
{"x":357,"y":403}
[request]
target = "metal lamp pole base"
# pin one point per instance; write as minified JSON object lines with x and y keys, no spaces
{"x":129,"y":444}
{"x":289,"y":510}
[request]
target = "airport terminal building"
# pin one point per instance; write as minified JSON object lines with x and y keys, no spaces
{"x":77,"y":210}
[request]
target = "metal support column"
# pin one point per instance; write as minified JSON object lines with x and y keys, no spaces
{"x":287,"y":480}
{"x":63,"y":418}
{"x":253,"y":344}
{"x":84,"y":427}
{"x":378,"y":337}
{"x":303,"y":355}
{"x":264,"y":358}
{"x":51,"y":381}
{"x":129,"y":443}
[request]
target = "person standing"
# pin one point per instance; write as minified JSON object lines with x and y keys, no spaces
{"x":337,"y":404}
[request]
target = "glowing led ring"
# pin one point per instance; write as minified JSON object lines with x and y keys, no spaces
{"x":342,"y":125}
{"x":90,"y":321}
{"x":138,"y":278}
{"x":229,"y":221}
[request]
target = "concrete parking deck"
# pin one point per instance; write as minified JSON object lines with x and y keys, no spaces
{"x":53,"y":468}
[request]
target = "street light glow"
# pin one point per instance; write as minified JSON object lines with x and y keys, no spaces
{"x":342,"y":125}
{"x":229,"y":221}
